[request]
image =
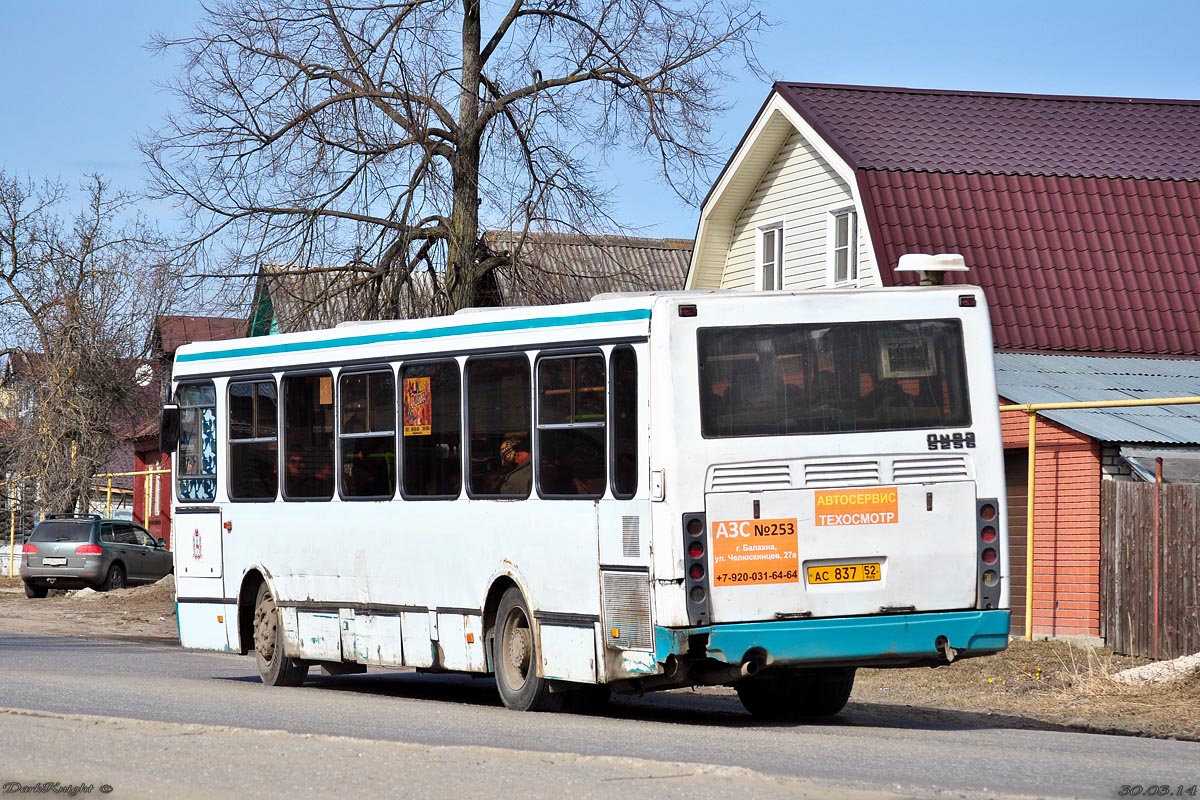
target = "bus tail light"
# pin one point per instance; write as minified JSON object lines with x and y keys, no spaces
{"x":987,"y":538}
{"x":695,"y":568}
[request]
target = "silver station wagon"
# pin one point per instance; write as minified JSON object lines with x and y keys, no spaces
{"x":69,"y":551}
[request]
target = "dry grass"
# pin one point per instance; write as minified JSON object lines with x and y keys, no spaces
{"x":1046,"y":683}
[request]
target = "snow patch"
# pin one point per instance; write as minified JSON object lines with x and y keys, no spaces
{"x":1160,"y":671}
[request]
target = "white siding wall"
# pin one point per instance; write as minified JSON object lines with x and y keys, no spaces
{"x":798,"y":188}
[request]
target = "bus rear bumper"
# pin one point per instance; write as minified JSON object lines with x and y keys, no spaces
{"x":897,"y":640}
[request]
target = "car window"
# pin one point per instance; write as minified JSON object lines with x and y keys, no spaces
{"x":143,"y":538}
{"x":66,"y":530}
{"x":125,"y":535}
{"x":106,"y":533}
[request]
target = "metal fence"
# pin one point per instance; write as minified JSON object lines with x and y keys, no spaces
{"x":1150,"y":546}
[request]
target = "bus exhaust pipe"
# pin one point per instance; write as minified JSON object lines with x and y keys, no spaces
{"x":751,"y":667}
{"x":943,"y":646}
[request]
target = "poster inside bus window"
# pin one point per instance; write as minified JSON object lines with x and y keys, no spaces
{"x":418,"y":407}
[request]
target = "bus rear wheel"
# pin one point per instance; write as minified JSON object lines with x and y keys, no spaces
{"x":794,"y":693}
{"x":515,"y":655}
{"x":274,"y":667}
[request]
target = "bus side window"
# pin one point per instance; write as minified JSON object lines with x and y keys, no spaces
{"x":571,"y":417}
{"x":253,"y":440}
{"x":498,"y":425}
{"x":624,"y":422}
{"x":196,"y":470}
{"x":308,"y":436}
{"x":368,"y":434}
{"x":431,"y":413}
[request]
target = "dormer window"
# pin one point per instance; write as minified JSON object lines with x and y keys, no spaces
{"x":842,"y":246}
{"x":769,"y":276}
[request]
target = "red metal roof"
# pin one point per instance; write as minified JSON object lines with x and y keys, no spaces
{"x":1080,"y":217}
{"x":175,"y":331}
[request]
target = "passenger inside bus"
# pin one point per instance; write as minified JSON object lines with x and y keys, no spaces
{"x":517,"y":467}
{"x":308,"y":475}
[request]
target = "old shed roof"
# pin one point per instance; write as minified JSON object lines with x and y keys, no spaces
{"x":571,"y":268}
{"x":551,"y":268}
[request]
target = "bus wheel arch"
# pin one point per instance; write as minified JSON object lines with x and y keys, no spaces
{"x":246,"y":597}
{"x":516,"y":654}
{"x":490,"y":606}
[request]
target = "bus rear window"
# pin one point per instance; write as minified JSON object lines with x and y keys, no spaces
{"x":852,"y":377}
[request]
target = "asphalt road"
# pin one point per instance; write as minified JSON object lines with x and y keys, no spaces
{"x":452,"y":734}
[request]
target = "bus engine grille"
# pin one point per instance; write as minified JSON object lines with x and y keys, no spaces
{"x":860,"y":472}
{"x":922,"y":469}
{"x":626,"y":598}
{"x":750,"y":477}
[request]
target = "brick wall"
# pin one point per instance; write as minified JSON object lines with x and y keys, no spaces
{"x":1066,"y":564}
{"x":1112,"y":466}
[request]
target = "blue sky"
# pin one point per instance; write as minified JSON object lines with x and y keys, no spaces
{"x":79,"y":85}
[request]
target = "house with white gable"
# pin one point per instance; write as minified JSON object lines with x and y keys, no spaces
{"x":1080,"y":218}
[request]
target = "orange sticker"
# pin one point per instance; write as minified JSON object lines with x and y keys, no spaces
{"x":748,"y":552}
{"x":857,"y":506}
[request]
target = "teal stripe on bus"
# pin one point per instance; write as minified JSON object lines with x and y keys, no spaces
{"x":432,"y":333}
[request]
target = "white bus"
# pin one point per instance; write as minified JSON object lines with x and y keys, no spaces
{"x":763,"y":490}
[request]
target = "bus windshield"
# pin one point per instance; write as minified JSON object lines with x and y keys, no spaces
{"x":848,"y":377}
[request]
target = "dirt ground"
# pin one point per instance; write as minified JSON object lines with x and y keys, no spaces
{"x":1031,"y":685}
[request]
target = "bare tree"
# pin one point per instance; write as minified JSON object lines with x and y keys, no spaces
{"x":381,"y":138}
{"x":76,"y":300}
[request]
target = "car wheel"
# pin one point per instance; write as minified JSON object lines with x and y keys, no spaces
{"x":275,"y":668}
{"x":35,"y":592}
{"x":114,"y":580}
{"x":515,"y":655}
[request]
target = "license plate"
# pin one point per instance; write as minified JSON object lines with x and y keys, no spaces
{"x":844,"y":573}
{"x":54,"y":562}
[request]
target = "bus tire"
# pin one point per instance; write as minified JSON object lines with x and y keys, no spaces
{"x":795,"y":693}
{"x":515,"y":655}
{"x":274,"y":667}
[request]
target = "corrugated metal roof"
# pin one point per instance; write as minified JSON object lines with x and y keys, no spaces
{"x":175,"y":331}
{"x":1068,"y":264}
{"x":1045,"y":378}
{"x":954,"y":131}
{"x":1080,"y":217}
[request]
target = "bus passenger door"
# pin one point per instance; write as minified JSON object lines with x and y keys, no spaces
{"x":199,"y":584}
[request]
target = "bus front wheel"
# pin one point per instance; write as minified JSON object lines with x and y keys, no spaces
{"x":793,"y":693}
{"x":515,"y":655}
{"x":275,"y":668}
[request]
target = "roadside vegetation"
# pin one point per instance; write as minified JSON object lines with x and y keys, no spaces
{"x":1045,"y":684}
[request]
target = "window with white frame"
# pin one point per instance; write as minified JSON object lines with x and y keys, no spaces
{"x":770,"y":257}
{"x":843,"y":246}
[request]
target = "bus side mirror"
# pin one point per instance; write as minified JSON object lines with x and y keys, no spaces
{"x":168,"y":428}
